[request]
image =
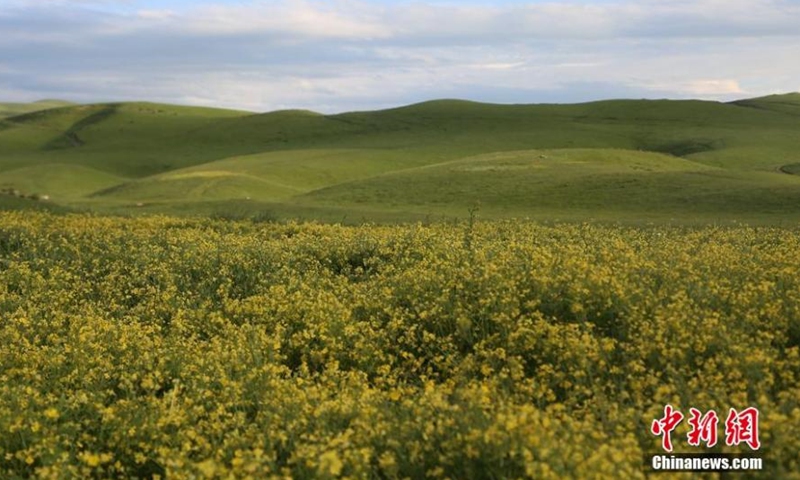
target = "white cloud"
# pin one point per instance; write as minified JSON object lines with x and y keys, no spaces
{"x":156,"y":14}
{"x":578,"y":65}
{"x":291,"y":17}
{"x":344,"y":54}
{"x":498,"y":66}
{"x":714,"y":87}
{"x":705,"y":88}
{"x":422,"y":23}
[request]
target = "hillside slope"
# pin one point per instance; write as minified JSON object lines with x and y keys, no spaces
{"x":633,"y":160}
{"x":10,"y":109}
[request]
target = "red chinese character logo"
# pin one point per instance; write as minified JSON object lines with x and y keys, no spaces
{"x":666,"y":425}
{"x":703,"y":428}
{"x":742,"y":427}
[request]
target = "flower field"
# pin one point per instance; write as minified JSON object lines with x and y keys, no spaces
{"x":196,"y":348}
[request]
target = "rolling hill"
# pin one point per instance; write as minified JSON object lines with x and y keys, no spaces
{"x":12,"y":109}
{"x":620,"y":160}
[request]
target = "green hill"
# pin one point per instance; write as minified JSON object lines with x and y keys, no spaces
{"x":571,"y":184}
{"x":58,"y":181}
{"x":11,"y":109}
{"x":626,"y":160}
{"x":787,"y":103}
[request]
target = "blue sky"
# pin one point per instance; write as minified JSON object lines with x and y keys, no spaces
{"x":339,"y":55}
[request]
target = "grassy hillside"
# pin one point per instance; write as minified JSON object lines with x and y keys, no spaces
{"x":66,"y":182}
{"x":628,"y":160}
{"x":11,"y":109}
{"x":787,"y":103}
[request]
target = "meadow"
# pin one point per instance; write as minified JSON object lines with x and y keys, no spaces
{"x":166,"y":347}
{"x":8,"y":109}
{"x":631,"y":161}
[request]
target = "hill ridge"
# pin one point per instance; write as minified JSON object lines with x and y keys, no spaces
{"x":435,"y":156}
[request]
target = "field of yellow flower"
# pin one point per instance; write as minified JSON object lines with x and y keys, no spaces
{"x":195,"y":348}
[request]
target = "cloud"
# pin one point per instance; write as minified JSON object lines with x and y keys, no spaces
{"x":350,"y":54}
{"x":156,"y":14}
{"x":436,"y":24}
{"x":714,"y":87}
{"x":295,"y":18}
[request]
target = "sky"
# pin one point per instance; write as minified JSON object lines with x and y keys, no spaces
{"x":343,"y":55}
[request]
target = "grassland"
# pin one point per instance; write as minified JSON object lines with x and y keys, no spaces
{"x":158,"y":346}
{"x":199,"y":348}
{"x":632,"y":161}
{"x":13,"y":109}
